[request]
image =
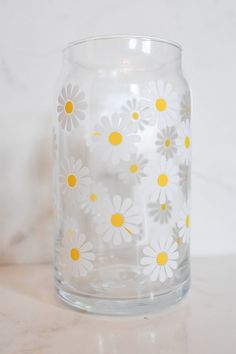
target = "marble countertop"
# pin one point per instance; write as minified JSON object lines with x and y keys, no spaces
{"x":34,"y":321}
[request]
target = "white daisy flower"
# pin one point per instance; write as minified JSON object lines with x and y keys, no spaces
{"x":136,"y":112}
{"x":91,"y":201}
{"x":184,"y":142}
{"x":160,"y":259}
{"x":184,"y":178}
{"x":133,"y":170}
{"x":120,"y":220}
{"x":185,"y":107}
{"x":166,"y":142}
{"x":71,"y":106}
{"x":161,"y":212}
{"x":74,"y":177}
{"x":115,"y":139}
{"x":163,"y":103}
{"x":184,"y":223}
{"x":76,"y":254}
{"x":164,"y":180}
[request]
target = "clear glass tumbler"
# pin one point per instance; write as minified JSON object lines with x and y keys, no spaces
{"x":122,"y":147}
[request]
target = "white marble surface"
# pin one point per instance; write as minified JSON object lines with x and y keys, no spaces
{"x":34,"y":321}
{"x":32,"y":34}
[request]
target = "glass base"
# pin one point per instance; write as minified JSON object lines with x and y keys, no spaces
{"x":139,"y":306}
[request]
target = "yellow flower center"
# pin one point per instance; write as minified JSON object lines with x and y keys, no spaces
{"x":187,"y":142}
{"x":162,"y":258}
{"x":115,"y":138}
{"x":163,"y":207}
{"x":167,"y":142}
{"x":69,"y":107}
{"x":133,"y":168}
{"x":117,"y":220}
{"x":135,"y":115}
{"x":72,"y":180}
{"x":162,"y":180}
{"x":74,"y":254}
{"x":161,"y":104}
{"x":93,"y":197}
{"x":187,"y":221}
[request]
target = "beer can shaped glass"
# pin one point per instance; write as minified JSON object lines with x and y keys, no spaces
{"x":122,"y":150}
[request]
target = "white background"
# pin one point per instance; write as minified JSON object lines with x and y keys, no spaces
{"x":32,"y":34}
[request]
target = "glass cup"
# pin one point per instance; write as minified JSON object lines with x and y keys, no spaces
{"x":122,"y":147}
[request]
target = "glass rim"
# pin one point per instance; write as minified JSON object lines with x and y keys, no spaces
{"x":121,"y":36}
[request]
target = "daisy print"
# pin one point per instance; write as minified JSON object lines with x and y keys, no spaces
{"x":160,"y":259}
{"x":115,"y":139}
{"x":77,"y":255}
{"x":133,"y":171}
{"x":91,"y":201}
{"x":185,"y":107}
{"x":120,"y":221}
{"x":184,"y":142}
{"x":71,"y":107}
{"x":184,"y":223}
{"x":163,"y":103}
{"x":166,"y":142}
{"x":160,"y":212}
{"x":164,"y":181}
{"x":136,"y":112}
{"x":74,"y":176}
